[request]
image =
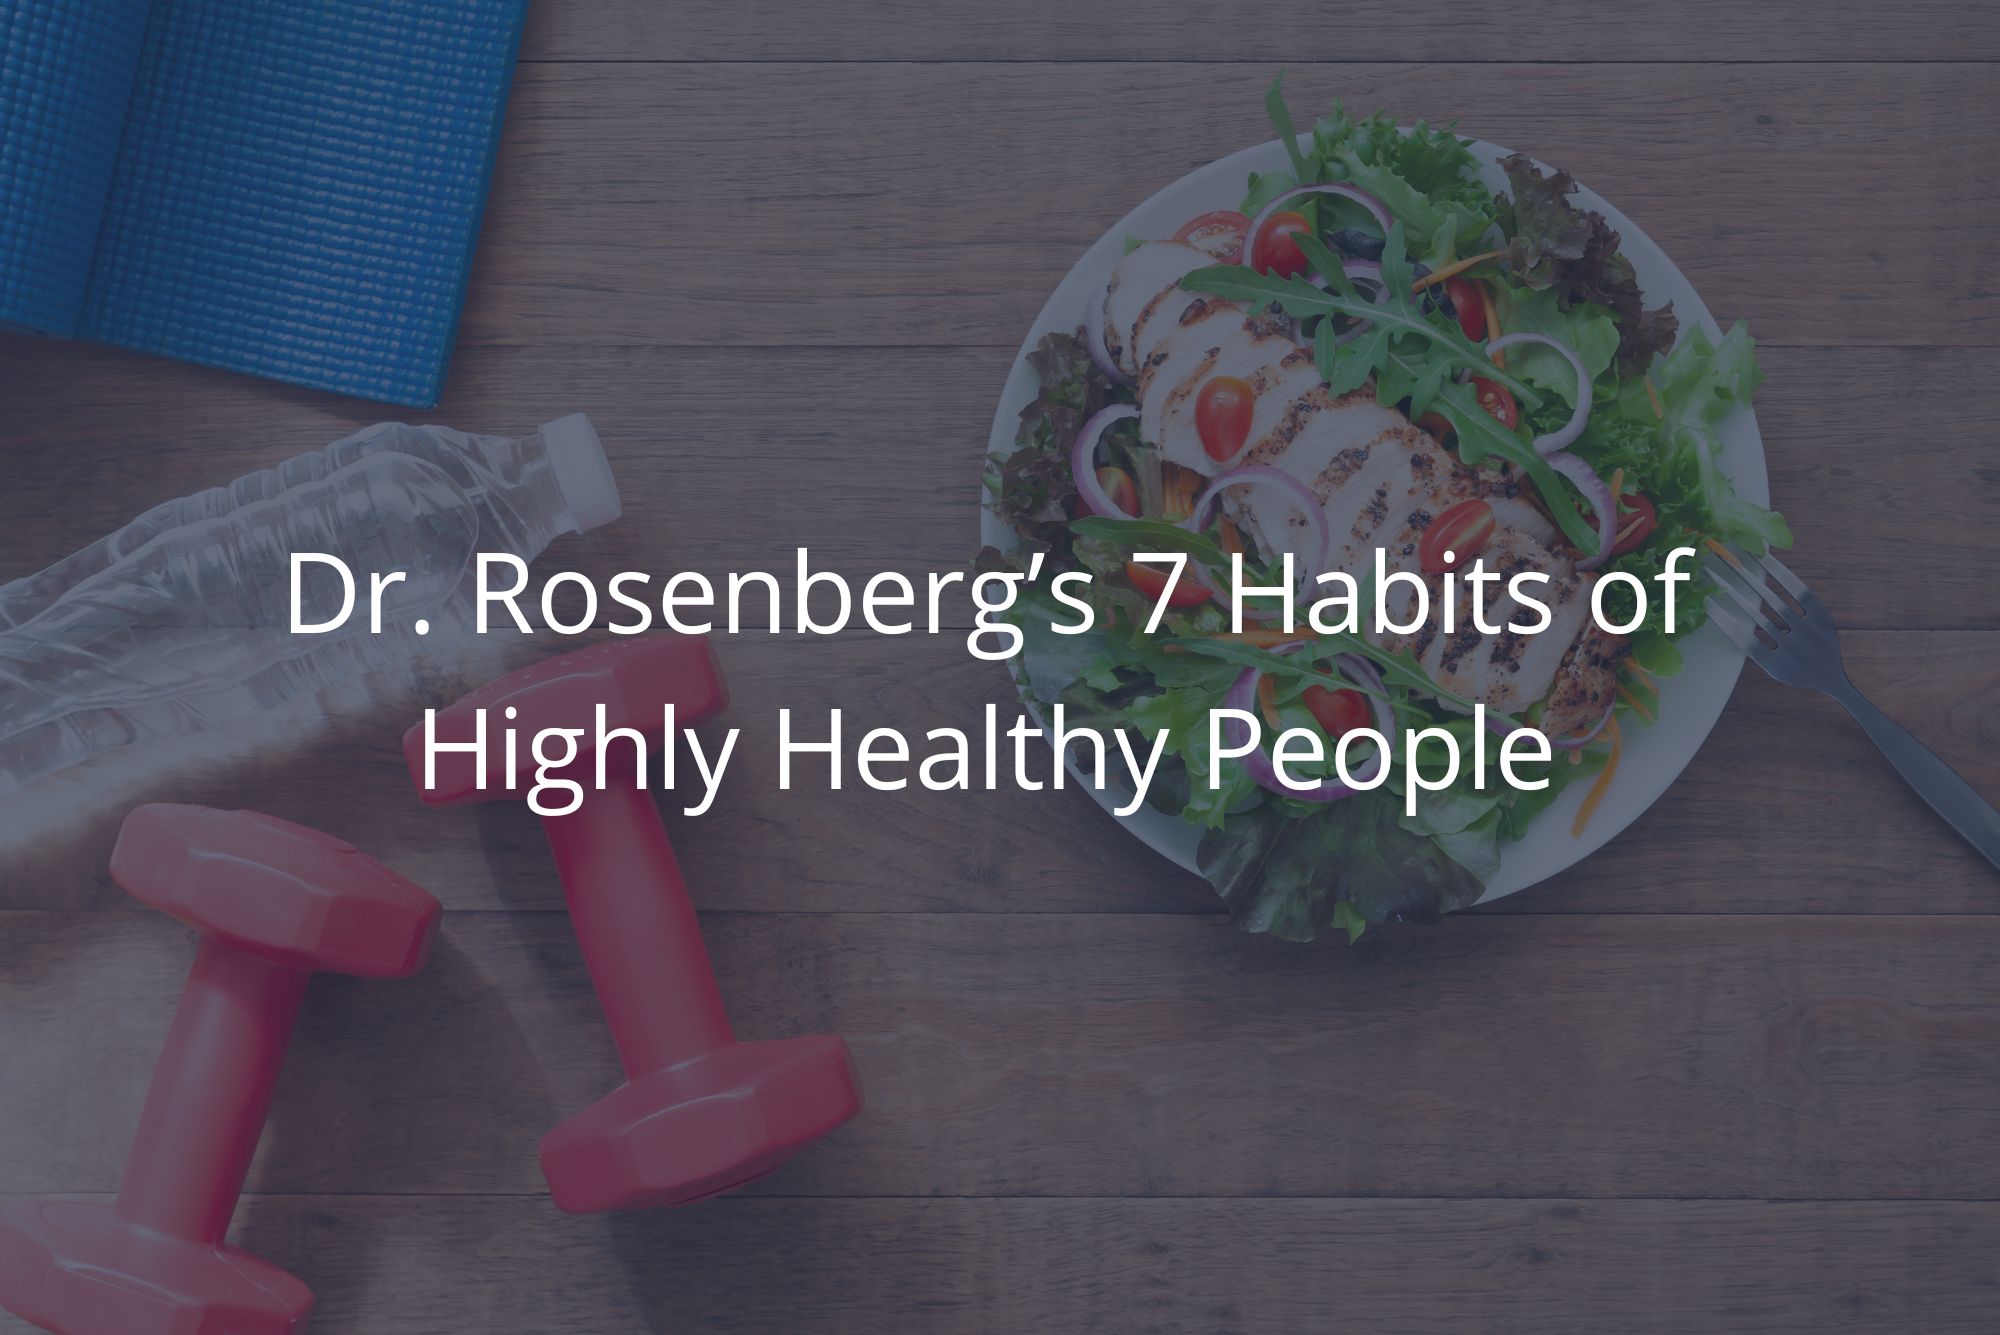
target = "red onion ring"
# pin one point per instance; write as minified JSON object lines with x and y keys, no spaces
{"x":1359,"y":196}
{"x":1210,"y":500}
{"x":1093,"y":339}
{"x":1243,"y":695}
{"x":1571,"y":743}
{"x":1083,"y":460}
{"x":1551,"y":441}
{"x":1598,"y":493}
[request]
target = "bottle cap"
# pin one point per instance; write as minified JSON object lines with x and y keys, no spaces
{"x":583,"y":474}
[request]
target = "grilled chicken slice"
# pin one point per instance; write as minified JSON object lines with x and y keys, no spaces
{"x":1382,"y":493}
{"x":1381,"y":482}
{"x":1508,"y":671}
{"x":1214,"y":340}
{"x":1150,"y":273}
{"x":1586,"y":682}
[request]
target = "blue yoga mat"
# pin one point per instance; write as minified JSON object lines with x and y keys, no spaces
{"x":290,"y":188}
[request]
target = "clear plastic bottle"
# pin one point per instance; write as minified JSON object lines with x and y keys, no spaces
{"x":181,"y":620}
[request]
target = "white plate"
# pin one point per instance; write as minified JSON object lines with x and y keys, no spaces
{"x":1689,"y":703}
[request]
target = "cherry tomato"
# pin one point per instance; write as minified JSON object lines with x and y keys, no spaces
{"x":1222,"y":413}
{"x":1461,"y":530}
{"x":1495,"y":399}
{"x":1339,"y":712}
{"x":1273,"y":251}
{"x":1219,"y":232}
{"x":1636,"y":520}
{"x":1118,"y":485}
{"x":1465,"y":300}
{"x":1151,"y":580}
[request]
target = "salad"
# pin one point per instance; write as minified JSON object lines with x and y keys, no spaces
{"x":1373,"y":361}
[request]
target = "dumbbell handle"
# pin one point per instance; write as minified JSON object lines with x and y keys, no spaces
{"x":210,"y":1094}
{"x":638,"y":930}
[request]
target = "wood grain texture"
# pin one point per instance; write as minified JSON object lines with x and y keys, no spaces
{"x":658,"y":204}
{"x":1116,"y":1055}
{"x":1101,"y":30}
{"x":963,"y":1267}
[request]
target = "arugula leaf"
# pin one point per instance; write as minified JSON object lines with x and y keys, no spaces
{"x":1397,"y":312}
{"x":1411,"y":354}
{"x":1134,"y":534}
{"x":1398,"y":669}
{"x":1479,"y":435}
{"x":1281,"y":121}
{"x":1264,"y":660}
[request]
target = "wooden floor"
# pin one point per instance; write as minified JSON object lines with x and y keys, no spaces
{"x":1738,"y":1072}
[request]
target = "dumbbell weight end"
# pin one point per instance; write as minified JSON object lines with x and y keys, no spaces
{"x":211,"y":1094}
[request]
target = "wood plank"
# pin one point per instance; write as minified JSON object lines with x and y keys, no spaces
{"x":1787,"y":809}
{"x":905,"y":204}
{"x":1032,"y":1055}
{"x":1428,"y":30}
{"x":874,"y":467}
{"x":434,"y":1267}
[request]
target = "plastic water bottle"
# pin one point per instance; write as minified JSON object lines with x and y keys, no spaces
{"x":180,"y":621}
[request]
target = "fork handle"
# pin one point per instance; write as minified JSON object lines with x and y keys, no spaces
{"x":1936,"y":782}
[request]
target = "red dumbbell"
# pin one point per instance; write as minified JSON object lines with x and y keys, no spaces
{"x":274,"y":902}
{"x":700,"y":1113}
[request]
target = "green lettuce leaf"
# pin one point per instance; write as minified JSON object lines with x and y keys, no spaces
{"x":1033,"y":489}
{"x":1346,"y":864}
{"x":1587,"y":330}
{"x":1427,"y":178}
{"x":1552,"y":244}
{"x":1673,"y":456}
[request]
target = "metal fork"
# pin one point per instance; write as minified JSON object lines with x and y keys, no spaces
{"x":1790,"y":634}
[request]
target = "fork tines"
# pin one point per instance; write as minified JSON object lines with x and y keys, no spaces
{"x":1771,"y":597}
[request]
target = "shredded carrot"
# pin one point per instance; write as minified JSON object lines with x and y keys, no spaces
{"x":1492,"y":321}
{"x":1632,"y":666}
{"x":1603,"y":784}
{"x":1267,"y":700}
{"x":1638,"y":705}
{"x":1653,"y":396}
{"x":1723,"y":552}
{"x":1178,"y":488}
{"x":1453,"y":270}
{"x":1618,"y":483}
{"x":1232,"y":541}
